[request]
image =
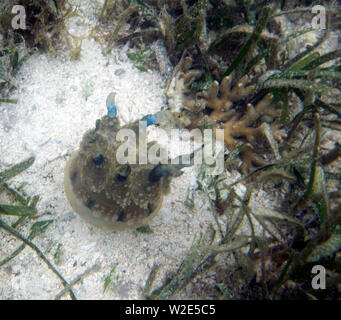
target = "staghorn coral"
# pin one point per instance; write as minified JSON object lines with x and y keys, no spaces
{"x":235,"y":125}
{"x":221,"y":101}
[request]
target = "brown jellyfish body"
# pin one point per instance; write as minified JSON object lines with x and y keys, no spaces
{"x":106,"y":193}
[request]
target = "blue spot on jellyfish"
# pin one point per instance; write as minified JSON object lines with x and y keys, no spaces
{"x":151,"y":119}
{"x":111,"y":106}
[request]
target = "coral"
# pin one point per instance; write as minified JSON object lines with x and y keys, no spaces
{"x":221,"y":101}
{"x":235,"y":125}
{"x":221,"y":104}
{"x":108,"y":193}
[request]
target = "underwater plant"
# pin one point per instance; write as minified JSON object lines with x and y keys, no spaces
{"x":22,"y":211}
{"x":233,"y":68}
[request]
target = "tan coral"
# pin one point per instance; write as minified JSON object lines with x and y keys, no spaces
{"x":221,"y":99}
{"x":220,"y":105}
{"x":234,"y":125}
